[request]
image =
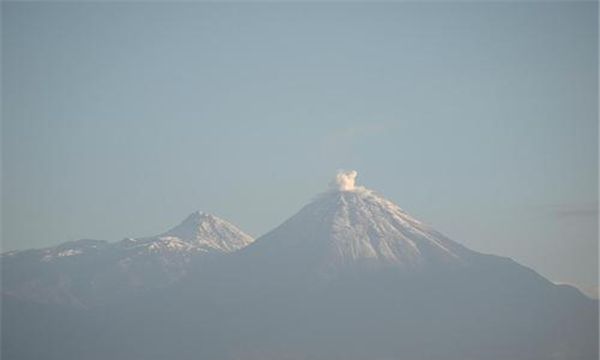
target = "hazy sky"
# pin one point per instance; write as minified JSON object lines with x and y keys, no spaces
{"x":479,"y":119}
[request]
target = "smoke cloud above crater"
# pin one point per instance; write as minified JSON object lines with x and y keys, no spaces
{"x":344,"y":180}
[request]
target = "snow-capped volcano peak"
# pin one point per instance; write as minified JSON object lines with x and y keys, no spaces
{"x":352,"y":225}
{"x":209,"y":232}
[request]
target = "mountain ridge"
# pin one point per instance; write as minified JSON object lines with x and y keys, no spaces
{"x":85,"y":272}
{"x":349,"y":276}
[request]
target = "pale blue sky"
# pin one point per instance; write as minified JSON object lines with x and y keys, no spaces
{"x":480,"y":119}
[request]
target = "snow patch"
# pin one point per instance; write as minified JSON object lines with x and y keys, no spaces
{"x":49,"y":256}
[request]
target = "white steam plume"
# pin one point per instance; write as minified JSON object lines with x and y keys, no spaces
{"x":344,"y":180}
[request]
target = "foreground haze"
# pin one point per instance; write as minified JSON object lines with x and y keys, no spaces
{"x":350,"y":276}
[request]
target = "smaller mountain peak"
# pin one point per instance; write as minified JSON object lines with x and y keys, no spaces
{"x":345,"y":180}
{"x":209,"y":231}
